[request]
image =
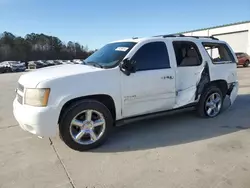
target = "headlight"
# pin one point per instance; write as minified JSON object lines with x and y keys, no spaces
{"x":36,"y":97}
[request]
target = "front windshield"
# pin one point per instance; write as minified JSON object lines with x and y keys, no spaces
{"x":110,"y":55}
{"x":14,"y":62}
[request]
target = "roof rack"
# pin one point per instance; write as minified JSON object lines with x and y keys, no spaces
{"x":178,"y":35}
{"x":209,"y":37}
{"x":181,"y":35}
{"x":170,"y":35}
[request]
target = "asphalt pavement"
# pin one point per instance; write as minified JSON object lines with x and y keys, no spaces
{"x":180,"y":150}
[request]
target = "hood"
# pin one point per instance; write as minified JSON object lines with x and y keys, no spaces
{"x":33,"y":78}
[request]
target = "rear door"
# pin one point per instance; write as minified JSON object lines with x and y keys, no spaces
{"x":190,"y":67}
{"x":152,"y":87}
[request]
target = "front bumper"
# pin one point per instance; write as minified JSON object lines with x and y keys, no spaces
{"x":41,"y":121}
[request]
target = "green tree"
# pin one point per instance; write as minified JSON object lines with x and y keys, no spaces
{"x":39,"y":47}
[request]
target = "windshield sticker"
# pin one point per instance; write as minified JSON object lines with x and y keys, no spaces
{"x":123,"y":49}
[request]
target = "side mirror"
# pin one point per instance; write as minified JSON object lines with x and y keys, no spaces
{"x":127,"y":66}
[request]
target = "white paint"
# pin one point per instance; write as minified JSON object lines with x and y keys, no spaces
{"x":187,"y":79}
{"x":144,"y":92}
{"x":152,"y":96}
{"x":140,"y":93}
{"x":50,"y":73}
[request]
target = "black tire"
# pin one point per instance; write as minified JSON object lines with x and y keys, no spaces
{"x":201,"y":106}
{"x":8,"y":70}
{"x":72,"y":111}
{"x":246,"y":64}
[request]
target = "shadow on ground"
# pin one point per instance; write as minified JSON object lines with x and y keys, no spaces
{"x":179,"y":128}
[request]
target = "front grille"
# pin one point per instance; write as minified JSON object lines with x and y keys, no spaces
{"x":20,"y":87}
{"x":19,"y":98}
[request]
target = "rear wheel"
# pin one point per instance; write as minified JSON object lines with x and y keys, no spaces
{"x":246,"y":64}
{"x":86,"y":125}
{"x":210,"y":103}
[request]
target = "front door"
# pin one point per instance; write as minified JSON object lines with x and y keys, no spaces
{"x":152,"y":87}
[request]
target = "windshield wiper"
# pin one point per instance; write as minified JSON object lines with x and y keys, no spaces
{"x":94,"y":64}
{"x":84,"y":62}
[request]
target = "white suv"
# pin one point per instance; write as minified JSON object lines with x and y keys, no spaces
{"x":125,"y":80}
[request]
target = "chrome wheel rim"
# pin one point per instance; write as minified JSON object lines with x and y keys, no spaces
{"x":87,"y":127}
{"x":213,"y":104}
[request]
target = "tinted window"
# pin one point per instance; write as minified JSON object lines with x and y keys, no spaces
{"x":111,"y":54}
{"x":152,"y":56}
{"x":219,"y":53}
{"x":187,"y":54}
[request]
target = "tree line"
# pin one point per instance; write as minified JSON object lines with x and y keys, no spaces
{"x":39,"y":47}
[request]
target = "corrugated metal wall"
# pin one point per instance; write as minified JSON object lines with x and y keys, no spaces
{"x":237,"y":35}
{"x":238,"y":41}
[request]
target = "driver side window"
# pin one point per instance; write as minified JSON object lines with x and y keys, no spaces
{"x":152,"y":56}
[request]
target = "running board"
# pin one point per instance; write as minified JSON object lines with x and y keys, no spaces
{"x":151,"y":115}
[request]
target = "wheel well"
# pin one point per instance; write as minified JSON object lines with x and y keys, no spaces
{"x":221,"y":84}
{"x":104,"y":99}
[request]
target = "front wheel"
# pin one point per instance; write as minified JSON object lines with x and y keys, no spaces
{"x":210,"y":103}
{"x":246,"y":64}
{"x":86,"y":125}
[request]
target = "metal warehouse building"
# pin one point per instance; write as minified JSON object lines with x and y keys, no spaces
{"x":237,"y":35}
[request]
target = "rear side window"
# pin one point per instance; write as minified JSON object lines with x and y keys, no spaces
{"x":152,"y":56}
{"x":219,"y":53}
{"x":187,"y":54}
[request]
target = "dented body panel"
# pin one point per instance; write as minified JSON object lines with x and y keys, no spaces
{"x":186,"y":88}
{"x":191,"y":81}
{"x":234,"y":92}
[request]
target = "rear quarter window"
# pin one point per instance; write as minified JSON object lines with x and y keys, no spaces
{"x":219,"y":53}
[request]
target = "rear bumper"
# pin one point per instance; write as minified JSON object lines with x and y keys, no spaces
{"x":41,"y":121}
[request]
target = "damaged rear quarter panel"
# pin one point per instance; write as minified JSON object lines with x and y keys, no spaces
{"x":204,"y":79}
{"x":227,"y":72}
